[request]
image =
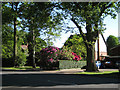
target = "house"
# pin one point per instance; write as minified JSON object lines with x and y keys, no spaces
{"x":102,"y":55}
{"x":24,"y":47}
{"x":115,"y":51}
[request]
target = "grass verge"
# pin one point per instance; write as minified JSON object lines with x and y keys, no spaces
{"x":101,"y":72}
{"x":20,"y":68}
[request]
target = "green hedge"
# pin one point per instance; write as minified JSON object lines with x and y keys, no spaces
{"x":67,"y":64}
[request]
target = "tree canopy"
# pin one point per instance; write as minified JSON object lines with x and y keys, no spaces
{"x":112,"y":41}
{"x":76,"y":44}
{"x":89,"y":15}
{"x":38,"y":19}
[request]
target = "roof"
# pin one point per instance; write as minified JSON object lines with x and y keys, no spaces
{"x":115,"y":51}
{"x":118,"y":46}
{"x":24,"y":47}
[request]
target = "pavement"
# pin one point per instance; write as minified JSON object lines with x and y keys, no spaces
{"x":62,"y":71}
{"x":57,"y":79}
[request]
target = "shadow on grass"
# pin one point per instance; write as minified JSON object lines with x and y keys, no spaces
{"x":36,"y":79}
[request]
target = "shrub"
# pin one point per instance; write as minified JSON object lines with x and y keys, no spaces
{"x":21,"y":59}
{"x":76,"y":57}
{"x":48,"y":56}
{"x":65,"y":54}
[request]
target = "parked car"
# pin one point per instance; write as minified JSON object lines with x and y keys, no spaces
{"x":110,"y":62}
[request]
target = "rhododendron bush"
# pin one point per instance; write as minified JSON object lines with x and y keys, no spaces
{"x":50,"y":56}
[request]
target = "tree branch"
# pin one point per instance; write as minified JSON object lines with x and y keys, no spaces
{"x":80,"y":30}
{"x":104,"y":8}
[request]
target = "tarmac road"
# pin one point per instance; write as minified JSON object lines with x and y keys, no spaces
{"x":56,"y":79}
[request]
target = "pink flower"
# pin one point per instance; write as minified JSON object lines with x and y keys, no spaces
{"x":48,"y":51}
{"x":50,"y":60}
{"x":51,"y":52}
{"x":74,"y":58}
{"x":56,"y":54}
{"x":57,"y":48}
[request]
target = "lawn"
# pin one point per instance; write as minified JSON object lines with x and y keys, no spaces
{"x":20,"y":68}
{"x":101,"y":72}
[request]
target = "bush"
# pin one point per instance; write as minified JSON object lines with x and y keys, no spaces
{"x":50,"y":56}
{"x":21,"y":59}
{"x":76,"y":44}
{"x":65,"y":54}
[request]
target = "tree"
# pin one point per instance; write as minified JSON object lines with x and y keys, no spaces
{"x":7,"y":41}
{"x":28,"y":16}
{"x":112,"y":41}
{"x":37,"y":25}
{"x":91,"y":16}
{"x":10,"y":15}
{"x":7,"y":47}
{"x":76,"y":44}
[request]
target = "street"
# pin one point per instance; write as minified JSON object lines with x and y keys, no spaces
{"x":46,"y":79}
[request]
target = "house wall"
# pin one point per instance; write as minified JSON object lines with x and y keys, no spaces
{"x":102,"y":54}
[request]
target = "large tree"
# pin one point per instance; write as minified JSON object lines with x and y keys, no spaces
{"x":39,"y":19}
{"x":91,"y":16}
{"x":10,"y":15}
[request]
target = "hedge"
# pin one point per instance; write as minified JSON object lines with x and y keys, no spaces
{"x":67,"y":64}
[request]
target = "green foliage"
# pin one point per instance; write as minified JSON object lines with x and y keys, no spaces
{"x":48,"y":56}
{"x":7,"y":41}
{"x":7,"y":13}
{"x":32,"y":18}
{"x":67,"y":64}
{"x":112,"y":41}
{"x":7,"y":47}
{"x":65,"y":54}
{"x":76,"y":44}
{"x":39,"y":44}
{"x":21,"y":58}
{"x":91,"y":16}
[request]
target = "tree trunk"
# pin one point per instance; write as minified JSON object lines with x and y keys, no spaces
{"x":91,"y":65}
{"x":15,"y":42}
{"x":15,"y":35}
{"x":34,"y":64}
{"x":31,"y":49}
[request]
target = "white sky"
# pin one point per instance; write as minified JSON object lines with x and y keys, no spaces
{"x":111,"y":29}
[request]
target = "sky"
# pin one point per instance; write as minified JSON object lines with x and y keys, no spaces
{"x":111,"y":29}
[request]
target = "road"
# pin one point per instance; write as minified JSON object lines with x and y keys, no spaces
{"x":47,"y":79}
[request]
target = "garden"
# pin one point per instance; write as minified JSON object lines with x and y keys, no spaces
{"x":27,"y":37}
{"x":54,"y":58}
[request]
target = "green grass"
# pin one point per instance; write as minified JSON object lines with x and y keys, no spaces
{"x":20,"y":68}
{"x":94,"y":73}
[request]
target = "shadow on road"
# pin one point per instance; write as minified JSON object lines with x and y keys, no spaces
{"x":35,"y":80}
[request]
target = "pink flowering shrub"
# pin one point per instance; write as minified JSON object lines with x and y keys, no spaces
{"x":76,"y":57}
{"x":65,"y":54}
{"x":49,"y":56}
